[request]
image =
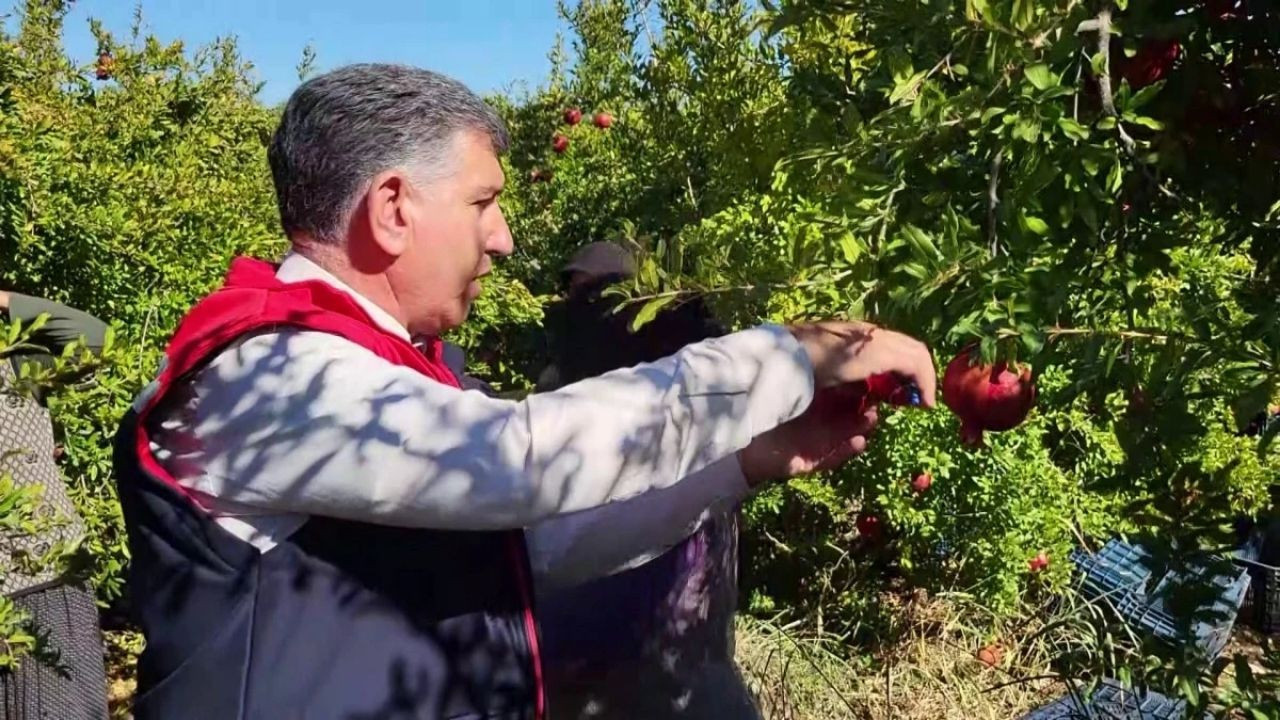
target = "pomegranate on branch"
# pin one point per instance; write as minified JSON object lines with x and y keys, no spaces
{"x":986,"y":398}
{"x":1152,"y":63}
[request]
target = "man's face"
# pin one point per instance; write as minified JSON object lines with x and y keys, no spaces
{"x":457,"y":225}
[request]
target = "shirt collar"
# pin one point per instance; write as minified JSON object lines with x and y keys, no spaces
{"x":296,"y":268}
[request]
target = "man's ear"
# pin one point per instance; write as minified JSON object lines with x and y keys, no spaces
{"x":387,"y":212}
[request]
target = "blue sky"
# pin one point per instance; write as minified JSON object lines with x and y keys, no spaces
{"x":487,"y":44}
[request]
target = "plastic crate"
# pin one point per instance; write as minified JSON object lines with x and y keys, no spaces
{"x":1113,"y":702}
{"x":1119,"y":568}
{"x":1261,"y":606}
{"x":1210,"y":625}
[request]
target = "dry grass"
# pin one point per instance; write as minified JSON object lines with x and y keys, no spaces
{"x":123,"y":647}
{"x":932,"y":671}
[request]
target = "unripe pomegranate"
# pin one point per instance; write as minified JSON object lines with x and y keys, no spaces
{"x":986,"y":397}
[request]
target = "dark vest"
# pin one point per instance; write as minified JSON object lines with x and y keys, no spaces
{"x":342,"y":620}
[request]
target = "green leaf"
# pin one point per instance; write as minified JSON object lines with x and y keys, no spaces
{"x":1073,"y":129}
{"x":1096,"y":64}
{"x":906,"y":87}
{"x":990,"y":113}
{"x":1145,"y":95}
{"x":1107,"y":123}
{"x":1115,"y":178}
{"x":1041,"y":76}
{"x":1035,"y":225}
{"x":1027,"y":129}
{"x":851,"y":248}
{"x":920,"y":241}
{"x":650,"y":311}
{"x":1149,"y":122}
{"x":916,"y":270}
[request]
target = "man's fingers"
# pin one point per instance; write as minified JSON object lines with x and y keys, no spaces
{"x":867,"y":423}
{"x":842,"y":453}
{"x":926,"y":376}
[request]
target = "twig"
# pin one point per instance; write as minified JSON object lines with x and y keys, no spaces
{"x":1123,"y":334}
{"x":993,"y":199}
{"x":643,"y":11}
{"x":742,"y":288}
{"x":781,"y":545}
{"x":1021,"y":681}
{"x":1075,"y":108}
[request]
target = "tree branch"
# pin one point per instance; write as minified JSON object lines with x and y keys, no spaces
{"x":1102,"y":26}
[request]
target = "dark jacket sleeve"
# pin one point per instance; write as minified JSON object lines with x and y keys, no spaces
{"x":65,"y":325}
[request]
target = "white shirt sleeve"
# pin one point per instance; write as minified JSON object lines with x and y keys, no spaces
{"x":570,"y":549}
{"x":306,"y":422}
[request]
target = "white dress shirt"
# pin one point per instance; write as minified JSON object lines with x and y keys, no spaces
{"x":604,"y":474}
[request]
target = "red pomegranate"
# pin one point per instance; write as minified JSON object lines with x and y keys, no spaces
{"x":990,"y":655}
{"x":573,"y":116}
{"x":1039,"y":562}
{"x":603,"y":120}
{"x":106,"y":66}
{"x":986,"y":397}
{"x":869,"y":526}
{"x":1151,"y":64}
{"x":560,"y":143}
{"x":922,"y":482}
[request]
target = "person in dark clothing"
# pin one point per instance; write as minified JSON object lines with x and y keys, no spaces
{"x":73,"y":688}
{"x":655,"y":640}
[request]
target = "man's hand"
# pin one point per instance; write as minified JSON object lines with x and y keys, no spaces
{"x":833,"y":429}
{"x":844,"y":352}
{"x":4,"y":300}
{"x":824,"y":437}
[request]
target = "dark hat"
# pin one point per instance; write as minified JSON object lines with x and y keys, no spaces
{"x":600,"y":260}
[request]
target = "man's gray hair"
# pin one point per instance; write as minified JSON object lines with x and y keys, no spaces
{"x":341,"y":128}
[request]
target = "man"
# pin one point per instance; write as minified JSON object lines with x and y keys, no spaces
{"x":655,"y":640}
{"x":71,"y":684}
{"x":323,"y":524}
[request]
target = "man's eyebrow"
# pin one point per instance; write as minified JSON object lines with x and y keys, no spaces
{"x":488,"y":190}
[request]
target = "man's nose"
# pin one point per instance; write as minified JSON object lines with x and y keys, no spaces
{"x":500,"y":242}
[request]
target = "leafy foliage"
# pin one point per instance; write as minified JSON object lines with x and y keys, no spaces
{"x":1087,"y":187}
{"x":1035,"y":178}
